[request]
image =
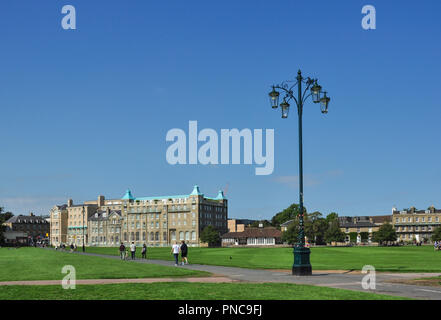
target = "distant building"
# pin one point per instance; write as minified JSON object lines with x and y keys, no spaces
{"x":58,"y":224}
{"x":415,"y":225}
{"x":253,"y":237}
{"x":238,"y":225}
{"x":284,"y":226}
{"x":35,"y":227}
{"x":156,"y":221}
{"x":15,"y":237}
{"x":380,"y":220}
{"x":359,"y":224}
{"x":105,"y":228}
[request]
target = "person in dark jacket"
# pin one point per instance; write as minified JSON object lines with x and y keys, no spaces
{"x":122,"y":251}
{"x":144,"y":251}
{"x":184,"y":252}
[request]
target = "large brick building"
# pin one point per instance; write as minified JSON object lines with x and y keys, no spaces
{"x":156,"y":221}
{"x":362,"y":224}
{"x":415,"y":225}
{"x":33,"y":227}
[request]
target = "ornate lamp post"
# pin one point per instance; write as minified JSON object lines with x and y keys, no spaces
{"x":302,"y":265}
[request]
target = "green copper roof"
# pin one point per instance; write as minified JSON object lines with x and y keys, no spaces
{"x":128,"y":195}
{"x":220,"y":195}
{"x":162,"y":197}
{"x":196,"y":191}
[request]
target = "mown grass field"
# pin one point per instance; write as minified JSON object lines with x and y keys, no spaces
{"x":394,"y":259}
{"x":187,"y":291}
{"x":42,"y":264}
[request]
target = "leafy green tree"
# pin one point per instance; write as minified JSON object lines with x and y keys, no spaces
{"x":331,"y":217}
{"x":289,"y":213}
{"x":4,"y":216}
{"x":385,"y":234}
{"x":333,"y":233}
{"x":364,"y":236}
{"x":436,"y":235}
{"x":353,"y":237}
{"x":315,"y":228}
{"x":290,"y":235}
{"x":211,"y":236}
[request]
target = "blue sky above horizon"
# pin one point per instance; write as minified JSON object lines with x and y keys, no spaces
{"x":85,"y":112}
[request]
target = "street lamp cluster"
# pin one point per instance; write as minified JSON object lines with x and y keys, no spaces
{"x":302,"y":265}
{"x":311,"y":84}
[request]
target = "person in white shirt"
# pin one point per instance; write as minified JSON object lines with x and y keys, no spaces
{"x":175,"y":252}
{"x":133,"y":250}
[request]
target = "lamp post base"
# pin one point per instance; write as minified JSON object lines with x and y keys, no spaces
{"x":302,"y":266}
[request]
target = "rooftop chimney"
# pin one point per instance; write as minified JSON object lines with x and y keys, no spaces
{"x":100,"y":201}
{"x":69,"y":202}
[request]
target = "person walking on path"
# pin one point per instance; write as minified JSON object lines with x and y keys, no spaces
{"x":71,"y":247}
{"x":122,"y":251}
{"x":133,"y":250}
{"x":184,"y":252}
{"x":175,"y":252}
{"x":144,"y":251}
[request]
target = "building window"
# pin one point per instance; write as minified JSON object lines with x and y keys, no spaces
{"x":173,"y":235}
{"x":137,"y":236}
{"x":193,"y":235}
{"x":157,"y":236}
{"x":181,"y":235}
{"x":164,"y":236}
{"x":187,"y":235}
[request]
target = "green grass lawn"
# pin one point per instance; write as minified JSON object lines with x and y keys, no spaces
{"x":41,"y":264}
{"x":396,"y":259}
{"x":188,"y":291}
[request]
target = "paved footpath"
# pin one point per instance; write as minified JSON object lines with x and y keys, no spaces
{"x":110,"y":281}
{"x":333,"y":279}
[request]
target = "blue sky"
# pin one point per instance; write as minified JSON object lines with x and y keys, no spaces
{"x":85,"y":112}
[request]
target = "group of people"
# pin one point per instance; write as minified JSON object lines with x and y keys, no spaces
{"x":437,"y":245}
{"x":177,"y":249}
{"x":73,"y":247}
{"x":180,"y":249}
{"x":124,"y":252}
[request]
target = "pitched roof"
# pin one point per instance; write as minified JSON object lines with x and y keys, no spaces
{"x":128,"y":195}
{"x":101,"y":215}
{"x":26,"y":219}
{"x":355,"y":222}
{"x":196,"y":191}
{"x":381,"y":219}
{"x":254,"y":233}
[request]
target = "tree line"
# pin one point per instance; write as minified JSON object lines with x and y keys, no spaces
{"x":320,"y":229}
{"x":4,"y":216}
